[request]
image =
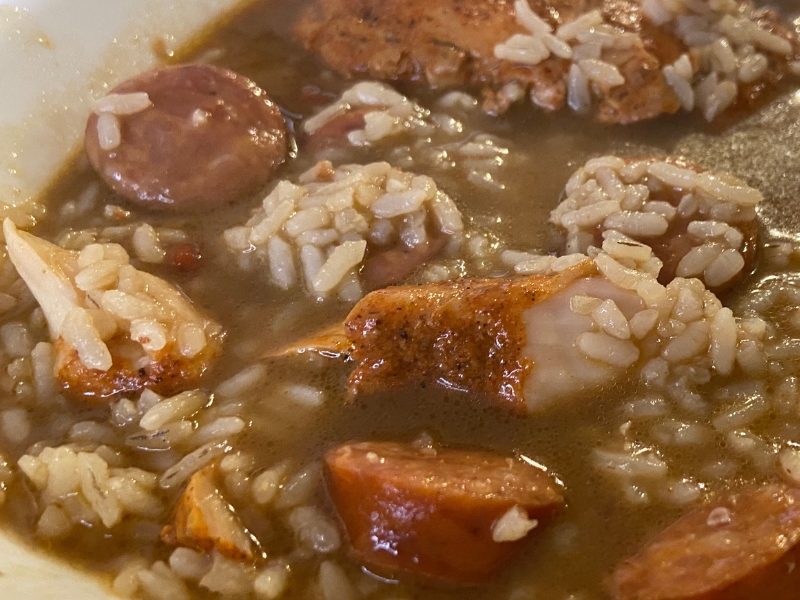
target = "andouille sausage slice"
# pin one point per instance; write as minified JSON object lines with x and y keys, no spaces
{"x":209,"y":137}
{"x":745,"y":547}
{"x":432,"y":512}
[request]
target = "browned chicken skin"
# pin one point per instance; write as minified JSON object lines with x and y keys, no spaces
{"x":451,"y":43}
{"x":466,"y":334}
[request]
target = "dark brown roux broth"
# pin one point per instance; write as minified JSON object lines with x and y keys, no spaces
{"x":762,"y":150}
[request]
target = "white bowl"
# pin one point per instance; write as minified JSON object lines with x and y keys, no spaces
{"x":56,"y":56}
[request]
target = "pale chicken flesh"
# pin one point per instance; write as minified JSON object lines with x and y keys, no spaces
{"x":115,"y":328}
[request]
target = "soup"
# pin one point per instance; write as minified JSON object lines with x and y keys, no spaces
{"x":95,"y":480}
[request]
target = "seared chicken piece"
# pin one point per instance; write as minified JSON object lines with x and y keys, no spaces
{"x":116,"y":329}
{"x":374,"y":216}
{"x":526,"y":343}
{"x":452,"y":43}
{"x":204,"y":521}
{"x":623,"y":57}
{"x":501,"y":338}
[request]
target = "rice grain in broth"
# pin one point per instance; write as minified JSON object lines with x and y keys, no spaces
{"x":632,"y":460}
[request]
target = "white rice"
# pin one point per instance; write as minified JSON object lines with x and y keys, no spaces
{"x":191,"y":463}
{"x":294,"y":224}
{"x":722,"y":47}
{"x":721,"y":51}
{"x":122,"y":104}
{"x":623,"y":199}
{"x":106,"y":494}
{"x":147,"y":245}
{"x":513,"y":525}
{"x":267,"y":484}
{"x":300,"y":487}
{"x":334,"y":583}
{"x":109,"y":131}
{"x":314,"y":530}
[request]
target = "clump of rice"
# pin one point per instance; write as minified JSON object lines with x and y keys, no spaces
{"x":592,"y":45}
{"x":80,"y":487}
{"x":315,"y":233}
{"x":437,"y":140}
{"x":186,"y":420}
{"x":728,"y":47}
{"x":386,"y":112}
{"x":682,"y":325}
{"x":141,"y":240}
{"x":92,"y":296}
{"x":626,"y":201}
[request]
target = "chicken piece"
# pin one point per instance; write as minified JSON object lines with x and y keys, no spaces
{"x":743,"y":547}
{"x":502,"y":338}
{"x":699,"y":223}
{"x":116,"y":329}
{"x":454,"y":45}
{"x":203,"y":520}
{"x":454,"y":515}
{"x":633,"y":61}
{"x":527,"y":343}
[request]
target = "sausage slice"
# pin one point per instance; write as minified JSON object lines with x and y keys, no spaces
{"x":434,"y":512}
{"x":209,"y":136}
{"x":741,"y":548}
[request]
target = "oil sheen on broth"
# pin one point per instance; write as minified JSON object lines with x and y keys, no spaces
{"x":603,"y":521}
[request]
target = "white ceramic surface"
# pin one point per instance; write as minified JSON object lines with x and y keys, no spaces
{"x":55,"y":56}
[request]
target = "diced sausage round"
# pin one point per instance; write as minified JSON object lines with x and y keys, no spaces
{"x":210,"y":137}
{"x":432,"y":512}
{"x":745,"y":547}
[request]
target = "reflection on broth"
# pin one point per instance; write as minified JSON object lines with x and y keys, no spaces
{"x":634,"y":437}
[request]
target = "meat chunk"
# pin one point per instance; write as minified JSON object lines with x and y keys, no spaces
{"x":454,"y":45}
{"x":203,"y":520}
{"x":698,"y":223}
{"x":628,"y":60}
{"x":487,"y":336}
{"x":436,"y":513}
{"x":116,"y":329}
{"x":340,"y":230}
{"x":200,"y":137}
{"x":743,"y":547}
{"x":527,"y":343}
